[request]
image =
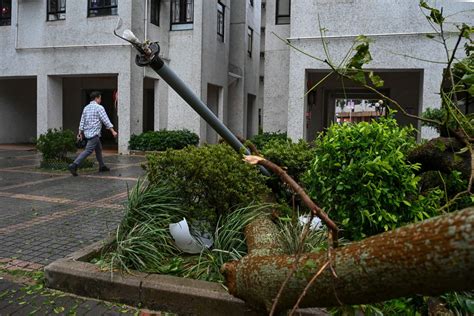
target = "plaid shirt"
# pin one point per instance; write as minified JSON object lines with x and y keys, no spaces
{"x":92,"y":119}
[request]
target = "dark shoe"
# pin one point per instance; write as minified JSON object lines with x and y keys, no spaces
{"x":73,"y":169}
{"x":104,"y":169}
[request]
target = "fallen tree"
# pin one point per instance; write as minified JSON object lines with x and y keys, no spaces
{"x":442,"y":154}
{"x":428,"y":258}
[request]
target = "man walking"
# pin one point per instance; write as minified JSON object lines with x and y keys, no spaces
{"x":92,"y":119}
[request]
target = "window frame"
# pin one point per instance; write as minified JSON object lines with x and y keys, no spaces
{"x":58,"y":12}
{"x":155,"y":11}
{"x":249,"y":41}
{"x":6,"y":21}
{"x":185,"y":22}
{"x":220,"y":22}
{"x":101,"y":8}
{"x":278,"y":16}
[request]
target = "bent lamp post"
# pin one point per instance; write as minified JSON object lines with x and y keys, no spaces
{"x":149,"y":56}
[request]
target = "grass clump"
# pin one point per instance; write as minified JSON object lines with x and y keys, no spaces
{"x":143,"y":241}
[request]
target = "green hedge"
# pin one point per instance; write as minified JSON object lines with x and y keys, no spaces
{"x":163,"y":140}
{"x":260,"y":140}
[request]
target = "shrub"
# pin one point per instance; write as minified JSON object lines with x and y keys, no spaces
{"x":56,"y":144}
{"x":163,"y":140}
{"x":295,"y":157}
{"x":260,"y":140}
{"x":361,"y":176}
{"x":211,"y":179}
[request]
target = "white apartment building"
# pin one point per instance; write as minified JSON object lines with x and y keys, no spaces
{"x":396,"y":27}
{"x":53,"y":53}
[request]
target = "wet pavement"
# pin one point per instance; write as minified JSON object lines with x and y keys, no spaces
{"x":46,"y":215}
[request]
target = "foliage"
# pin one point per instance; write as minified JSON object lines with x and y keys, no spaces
{"x":56,"y":144}
{"x":260,"y":140}
{"x":361,"y":176}
{"x":211,"y":179}
{"x":290,"y":231}
{"x":163,"y":140}
{"x":142,"y":241}
{"x":460,"y":303}
{"x":229,"y":244}
{"x":294,"y":157}
{"x":457,"y":303}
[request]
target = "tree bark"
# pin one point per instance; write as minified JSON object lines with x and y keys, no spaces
{"x":439,"y":154}
{"x":428,"y":258}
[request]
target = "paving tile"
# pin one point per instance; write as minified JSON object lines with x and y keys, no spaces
{"x":36,"y":232}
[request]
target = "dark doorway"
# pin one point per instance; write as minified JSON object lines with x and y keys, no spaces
{"x":337,"y":101}
{"x":149,"y":104}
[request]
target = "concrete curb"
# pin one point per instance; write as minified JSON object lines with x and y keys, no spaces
{"x":157,"y":292}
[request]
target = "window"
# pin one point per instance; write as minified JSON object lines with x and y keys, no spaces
{"x":56,"y":10}
{"x":5,"y":12}
{"x":155,"y":12}
{"x":220,"y":21}
{"x":250,"y":41}
{"x":102,"y":7}
{"x":283,"y":10}
{"x":251,"y":3}
{"x":182,"y":13}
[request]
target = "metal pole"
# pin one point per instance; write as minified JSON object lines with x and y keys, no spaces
{"x":151,"y":58}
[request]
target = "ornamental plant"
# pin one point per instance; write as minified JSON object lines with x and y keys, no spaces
{"x":163,"y":140}
{"x":211,"y":179}
{"x":56,"y":144}
{"x":260,"y":140}
{"x":360,"y":175}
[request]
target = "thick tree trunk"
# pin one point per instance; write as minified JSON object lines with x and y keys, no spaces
{"x":439,"y":154}
{"x":429,"y":258}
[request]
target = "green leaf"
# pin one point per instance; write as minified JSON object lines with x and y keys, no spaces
{"x":359,"y":77}
{"x":462,"y":151}
{"x":471,"y":90}
{"x":468,"y":79}
{"x":376,"y":80}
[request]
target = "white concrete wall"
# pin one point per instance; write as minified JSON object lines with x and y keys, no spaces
{"x":243,"y":17}
{"x":237,"y":57}
{"x":80,"y":46}
{"x":344,"y":20}
{"x":185,"y":53}
{"x":252,"y":69}
{"x":215,"y":58}
{"x":277,"y":60}
{"x":44,"y":50}
{"x":17,"y":110}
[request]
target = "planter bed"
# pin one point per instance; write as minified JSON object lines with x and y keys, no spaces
{"x":74,"y":274}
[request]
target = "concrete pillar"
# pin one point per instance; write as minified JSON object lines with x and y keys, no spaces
{"x":123,"y":112}
{"x":236,"y":113}
{"x":296,"y":103}
{"x":49,"y":103}
{"x":136,"y":99}
{"x":161,"y":105}
{"x":130,"y":106}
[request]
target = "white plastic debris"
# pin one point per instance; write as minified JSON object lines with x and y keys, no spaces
{"x":127,"y":34}
{"x":187,"y":242}
{"x":315,"y":223}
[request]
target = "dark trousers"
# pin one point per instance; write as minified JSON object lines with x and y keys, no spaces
{"x":93,"y":144}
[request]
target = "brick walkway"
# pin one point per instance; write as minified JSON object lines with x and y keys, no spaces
{"x":46,"y":215}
